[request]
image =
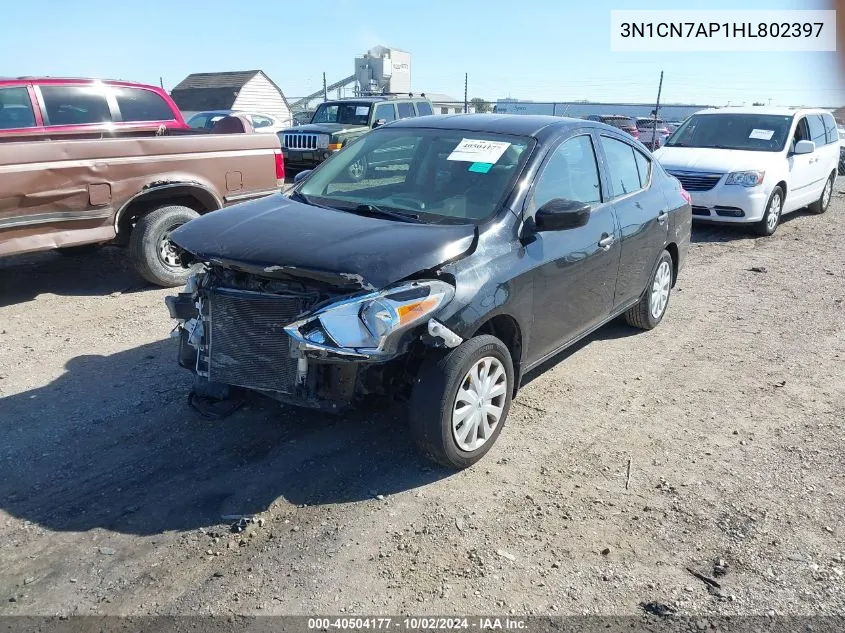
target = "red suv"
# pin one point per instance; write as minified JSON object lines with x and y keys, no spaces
{"x":36,"y":106}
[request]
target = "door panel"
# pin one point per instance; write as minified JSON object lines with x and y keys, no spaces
{"x":641,"y":212}
{"x":574,"y":277}
{"x":802,"y":171}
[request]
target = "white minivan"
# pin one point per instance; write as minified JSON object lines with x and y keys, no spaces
{"x":753,"y":164}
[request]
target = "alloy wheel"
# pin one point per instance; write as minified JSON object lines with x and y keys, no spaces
{"x":774,"y":213}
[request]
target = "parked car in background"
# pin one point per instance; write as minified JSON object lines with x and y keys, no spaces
{"x":90,"y":108}
{"x":624,"y":123}
{"x":260,"y":122}
{"x":841,"y":131}
{"x":73,"y":192}
{"x":653,"y":133}
{"x":672,"y":126}
{"x":302,"y":118}
{"x":752,"y":164}
{"x":496,"y":242}
{"x":336,"y":123}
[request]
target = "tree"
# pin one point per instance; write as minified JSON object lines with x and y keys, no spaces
{"x":479,"y":105}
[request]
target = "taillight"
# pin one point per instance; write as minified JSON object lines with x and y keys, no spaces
{"x":685,"y":195}
{"x":280,"y":166}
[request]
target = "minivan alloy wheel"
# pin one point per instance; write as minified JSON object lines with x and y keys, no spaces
{"x":479,"y":404}
{"x":774,"y":212}
{"x":660,"y":289}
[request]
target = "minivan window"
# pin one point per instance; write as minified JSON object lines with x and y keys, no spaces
{"x":749,"y":132}
{"x":830,"y":128}
{"x":75,"y":105}
{"x":571,"y":173}
{"x":385,"y":112}
{"x":423,"y":109}
{"x":430,"y":173}
{"x":622,"y":166}
{"x":15,"y":108}
{"x":137,"y":104}
{"x":406,"y":110}
{"x":817,"y":131}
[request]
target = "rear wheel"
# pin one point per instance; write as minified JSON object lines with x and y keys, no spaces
{"x":821,"y":205}
{"x":648,"y":313}
{"x":152,"y":253}
{"x":771,"y":218}
{"x":461,"y":400}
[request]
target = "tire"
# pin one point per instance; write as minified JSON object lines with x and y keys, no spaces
{"x":435,"y":396}
{"x":651,"y":308}
{"x":771,"y":218}
{"x":357,"y":169}
{"x":75,"y":251}
{"x":821,"y":205}
{"x":147,"y":246}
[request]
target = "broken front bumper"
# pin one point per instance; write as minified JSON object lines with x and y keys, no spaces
{"x":253,"y":340}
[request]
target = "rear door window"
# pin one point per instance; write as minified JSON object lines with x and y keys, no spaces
{"x":817,"y":131}
{"x":406,"y":110}
{"x":75,"y":105}
{"x":424,"y":109}
{"x":830,"y":128}
{"x":16,"y":108}
{"x":137,"y":104}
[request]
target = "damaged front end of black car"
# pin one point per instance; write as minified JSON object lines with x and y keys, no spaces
{"x":310,"y":344}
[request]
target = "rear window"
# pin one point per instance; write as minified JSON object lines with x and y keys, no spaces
{"x":137,"y":104}
{"x":75,"y":105}
{"x":620,"y":122}
{"x":647,"y":124}
{"x":405,"y":110}
{"x":424,"y":109}
{"x":15,"y":108}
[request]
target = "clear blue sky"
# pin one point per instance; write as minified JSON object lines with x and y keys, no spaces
{"x":529,"y":49}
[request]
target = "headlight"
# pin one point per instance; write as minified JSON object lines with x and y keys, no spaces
{"x":366,"y":323}
{"x":322,"y":141}
{"x":745,"y":178}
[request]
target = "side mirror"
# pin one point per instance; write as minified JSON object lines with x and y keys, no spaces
{"x":301,"y":175}
{"x":805,"y":147}
{"x":379,"y":123}
{"x":559,"y":214}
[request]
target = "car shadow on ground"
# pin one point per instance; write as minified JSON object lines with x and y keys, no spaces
{"x":113,"y":444}
{"x":100,"y":272}
{"x":712,"y":232}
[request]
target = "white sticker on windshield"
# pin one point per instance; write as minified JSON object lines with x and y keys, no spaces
{"x":475,"y":151}
{"x":362,"y":110}
{"x":763,"y":135}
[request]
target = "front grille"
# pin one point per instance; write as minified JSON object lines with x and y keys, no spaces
{"x":248,"y":346}
{"x":697,"y":181}
{"x":696,"y":210}
{"x":301,"y":141}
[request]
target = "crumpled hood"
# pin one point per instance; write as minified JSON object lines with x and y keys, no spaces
{"x":324,"y":128}
{"x":278,"y":237}
{"x":713,"y":160}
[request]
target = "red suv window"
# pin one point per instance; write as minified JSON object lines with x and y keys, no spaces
{"x":15,"y":108}
{"x":75,"y":105}
{"x":137,"y":104}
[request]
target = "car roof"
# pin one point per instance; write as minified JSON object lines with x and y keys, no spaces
{"x":76,"y":80}
{"x":375,"y":99}
{"x":537,"y":126}
{"x":771,"y":110}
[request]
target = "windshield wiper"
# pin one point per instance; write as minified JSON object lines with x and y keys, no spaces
{"x":371,"y":209}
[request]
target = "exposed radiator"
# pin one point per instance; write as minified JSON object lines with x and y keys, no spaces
{"x":248,"y":346}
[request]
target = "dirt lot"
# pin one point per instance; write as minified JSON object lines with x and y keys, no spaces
{"x":731,"y":414}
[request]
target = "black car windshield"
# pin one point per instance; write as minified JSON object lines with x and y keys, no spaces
{"x":345,"y":113}
{"x":749,"y":132}
{"x":438,"y":175}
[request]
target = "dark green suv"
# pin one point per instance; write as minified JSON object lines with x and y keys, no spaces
{"x":336,"y":123}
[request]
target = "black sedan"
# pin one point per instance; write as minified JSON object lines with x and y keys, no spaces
{"x":485,"y":245}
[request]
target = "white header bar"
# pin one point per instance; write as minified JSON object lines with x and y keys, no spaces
{"x":722,"y":31}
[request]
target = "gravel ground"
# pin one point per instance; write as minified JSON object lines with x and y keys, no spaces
{"x":729,"y":418}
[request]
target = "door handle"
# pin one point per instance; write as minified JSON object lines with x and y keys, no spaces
{"x":662,"y":216}
{"x":607,"y":241}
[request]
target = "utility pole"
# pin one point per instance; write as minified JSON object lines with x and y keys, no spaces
{"x":466,"y":86}
{"x":161,"y":82}
{"x":325,"y":92}
{"x":770,"y":101}
{"x":656,"y":109}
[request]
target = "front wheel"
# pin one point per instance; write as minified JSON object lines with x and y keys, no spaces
{"x":461,"y":400}
{"x":150,"y":248}
{"x":649,"y":312}
{"x":771,"y":218}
